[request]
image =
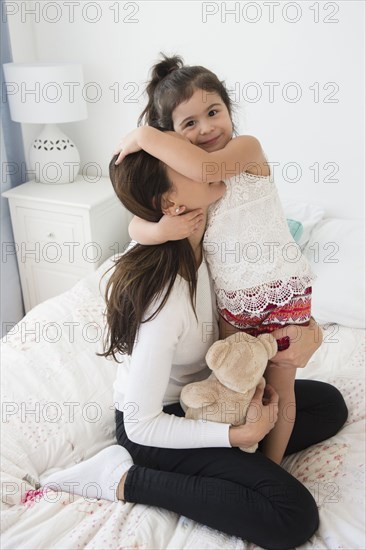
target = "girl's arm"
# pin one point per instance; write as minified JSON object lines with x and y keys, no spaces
{"x":169,"y":228}
{"x":243,"y":153}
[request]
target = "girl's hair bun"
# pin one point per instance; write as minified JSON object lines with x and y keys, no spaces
{"x":165,"y":67}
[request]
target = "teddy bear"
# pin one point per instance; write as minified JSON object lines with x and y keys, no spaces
{"x":238,"y":364}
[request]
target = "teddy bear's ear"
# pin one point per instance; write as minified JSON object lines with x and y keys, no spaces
{"x":217,"y":354}
{"x":270,"y":344}
{"x":241,"y":338}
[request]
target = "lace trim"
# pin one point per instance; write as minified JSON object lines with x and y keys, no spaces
{"x":256,"y":299}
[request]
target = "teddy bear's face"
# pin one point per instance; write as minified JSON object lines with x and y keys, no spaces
{"x":240,"y":360}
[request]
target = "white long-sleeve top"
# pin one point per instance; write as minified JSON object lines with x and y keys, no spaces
{"x":168,"y":354}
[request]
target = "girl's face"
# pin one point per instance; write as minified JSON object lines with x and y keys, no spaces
{"x":205,"y":120}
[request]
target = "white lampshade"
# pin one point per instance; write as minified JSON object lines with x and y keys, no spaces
{"x":45,"y":93}
{"x":50,"y":94}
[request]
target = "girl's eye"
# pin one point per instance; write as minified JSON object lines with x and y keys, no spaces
{"x":212,"y":112}
{"x":190,"y":123}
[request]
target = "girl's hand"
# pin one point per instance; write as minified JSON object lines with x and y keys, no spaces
{"x":128,"y":144}
{"x":304,"y":341}
{"x":131,"y":142}
{"x":175,"y":228}
{"x":261,"y":417}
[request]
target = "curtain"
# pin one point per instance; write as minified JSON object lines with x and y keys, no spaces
{"x":12,"y":174}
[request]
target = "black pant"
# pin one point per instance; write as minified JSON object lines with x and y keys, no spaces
{"x":242,"y":494}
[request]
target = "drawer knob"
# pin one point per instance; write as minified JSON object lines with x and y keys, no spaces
{"x":51,"y":235}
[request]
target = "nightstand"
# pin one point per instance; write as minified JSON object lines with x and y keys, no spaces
{"x":64,"y":232}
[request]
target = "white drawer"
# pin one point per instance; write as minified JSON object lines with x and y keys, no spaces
{"x":62,"y":233}
{"x":38,"y":229}
{"x":53,"y":236}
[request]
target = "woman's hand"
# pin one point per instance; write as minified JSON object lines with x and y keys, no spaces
{"x":128,"y":144}
{"x":261,"y":417}
{"x":304,"y":341}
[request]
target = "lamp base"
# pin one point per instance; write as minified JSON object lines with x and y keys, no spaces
{"x":54,"y":158}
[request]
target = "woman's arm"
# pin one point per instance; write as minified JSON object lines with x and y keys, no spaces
{"x":262,"y":415}
{"x":304,"y":341}
{"x":148,"y":378}
{"x":243,"y":153}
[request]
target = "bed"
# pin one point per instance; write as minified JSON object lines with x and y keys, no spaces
{"x":57,"y":409}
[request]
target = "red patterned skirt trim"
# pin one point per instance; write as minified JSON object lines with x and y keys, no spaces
{"x":296,"y":312}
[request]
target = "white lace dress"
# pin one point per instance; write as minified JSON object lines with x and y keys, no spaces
{"x":253,"y":259}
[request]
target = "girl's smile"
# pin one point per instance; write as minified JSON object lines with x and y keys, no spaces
{"x":210,"y":142}
{"x":205,"y":120}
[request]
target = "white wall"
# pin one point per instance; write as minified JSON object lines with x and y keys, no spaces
{"x":324,"y":129}
{"x":22,"y":31}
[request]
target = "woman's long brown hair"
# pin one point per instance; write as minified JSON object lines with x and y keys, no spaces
{"x":143,"y":273}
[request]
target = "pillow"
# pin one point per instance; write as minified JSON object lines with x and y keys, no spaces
{"x":296,"y":229}
{"x":307,"y":214}
{"x":336,"y":252}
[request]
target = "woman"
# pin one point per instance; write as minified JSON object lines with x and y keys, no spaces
{"x":161,"y":315}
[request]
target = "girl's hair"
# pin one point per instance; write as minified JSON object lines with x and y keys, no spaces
{"x":143,"y":273}
{"x":171,"y":83}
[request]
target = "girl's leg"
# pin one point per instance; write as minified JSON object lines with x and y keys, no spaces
{"x":241,"y":494}
{"x":283,"y":380}
{"x":320,"y":413}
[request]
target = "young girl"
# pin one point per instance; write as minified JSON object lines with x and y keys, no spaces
{"x":261,"y":280}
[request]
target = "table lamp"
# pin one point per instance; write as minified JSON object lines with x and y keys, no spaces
{"x":50,"y":94}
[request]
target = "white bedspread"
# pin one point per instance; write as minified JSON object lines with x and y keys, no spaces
{"x":57,"y":409}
